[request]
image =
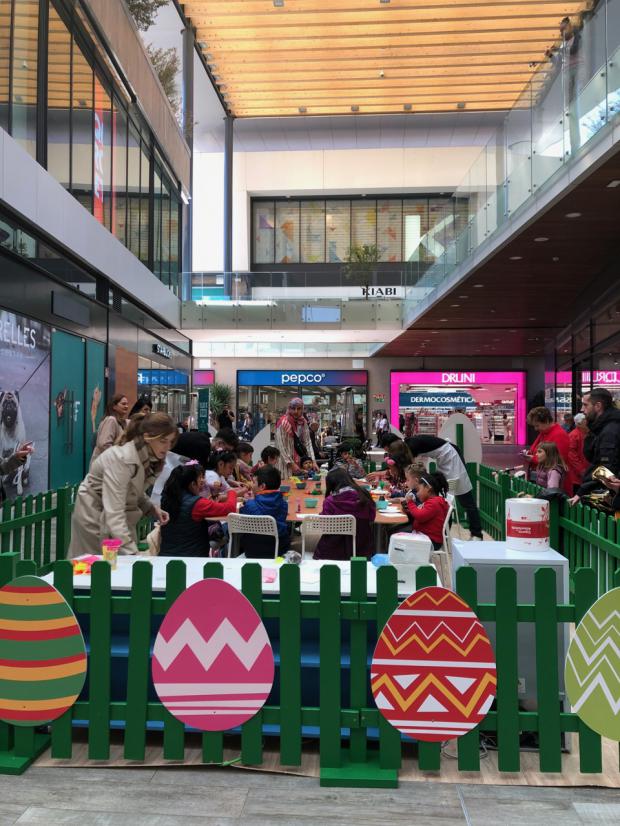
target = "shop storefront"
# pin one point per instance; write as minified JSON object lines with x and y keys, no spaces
{"x":559,"y":387}
{"x":337,"y":399}
{"x":495,"y":402}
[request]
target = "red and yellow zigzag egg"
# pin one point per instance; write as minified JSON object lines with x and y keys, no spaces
{"x":433,"y":674}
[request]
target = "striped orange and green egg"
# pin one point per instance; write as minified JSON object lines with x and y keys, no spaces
{"x":42,"y":653}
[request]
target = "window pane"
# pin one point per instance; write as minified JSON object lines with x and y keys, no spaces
{"x":82,"y":139}
{"x":415,"y":225}
{"x":441,"y":227}
{"x":24,"y":101}
{"x":312,"y":232}
{"x":263,"y":222}
{"x":389,"y":229}
{"x":175,"y":264}
{"x":133,"y":190}
{"x":59,"y":100}
{"x":157,"y":222}
{"x":363,"y":223}
{"x":165,"y":231}
{"x":5,"y":35}
{"x":145,"y":166}
{"x":287,"y":232}
{"x":119,"y":171}
{"x":338,"y":230}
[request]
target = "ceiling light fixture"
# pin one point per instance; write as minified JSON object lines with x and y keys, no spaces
{"x":455,"y":305}
{"x":516,"y":257}
{"x":407,"y":107}
{"x":573,"y":215}
{"x":541,"y":239}
{"x":302,"y":110}
{"x":555,"y":258}
{"x":355,"y":108}
{"x":463,"y":296}
{"x":443,"y":319}
{"x":613,"y":184}
{"x":278,"y":3}
{"x":478,"y":285}
{"x":461,"y":104}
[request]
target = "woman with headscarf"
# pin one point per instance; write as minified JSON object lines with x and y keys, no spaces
{"x":293,"y":439}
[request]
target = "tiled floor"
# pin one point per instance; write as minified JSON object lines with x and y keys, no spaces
{"x":231,"y":797}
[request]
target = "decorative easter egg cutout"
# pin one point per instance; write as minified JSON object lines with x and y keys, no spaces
{"x":592,"y":671}
{"x":433,"y":673}
{"x":42,"y":653}
{"x":212,"y":663}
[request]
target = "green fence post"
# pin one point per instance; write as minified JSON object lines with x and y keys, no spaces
{"x":174,"y":730}
{"x":507,"y":658}
{"x":99,"y":662}
{"x":554,"y":526}
{"x":468,"y":746}
{"x":590,"y":752}
{"x":62,"y":727}
{"x":63,"y":522}
{"x":547,"y":682}
{"x":329,"y":668}
{"x":290,"y":666}
{"x":139,"y":660}
{"x":505,"y":482}
{"x":387,"y":602}
{"x":252,"y":730}
{"x":460,"y":439}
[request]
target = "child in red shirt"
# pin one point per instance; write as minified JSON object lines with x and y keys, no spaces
{"x":428,"y":517}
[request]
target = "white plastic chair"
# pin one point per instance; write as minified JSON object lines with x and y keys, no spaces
{"x":451,"y":497}
{"x":341,"y":525}
{"x":445,"y":552}
{"x":258,"y":525}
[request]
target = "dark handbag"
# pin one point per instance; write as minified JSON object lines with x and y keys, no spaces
{"x":300,"y":448}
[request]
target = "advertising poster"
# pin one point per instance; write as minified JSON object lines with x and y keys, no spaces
{"x":24,"y":399}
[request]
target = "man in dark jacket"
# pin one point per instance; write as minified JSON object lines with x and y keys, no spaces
{"x":604,"y":443}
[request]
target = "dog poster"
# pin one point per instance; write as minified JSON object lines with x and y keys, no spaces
{"x":25,"y":347}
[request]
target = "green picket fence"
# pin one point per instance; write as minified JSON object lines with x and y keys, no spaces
{"x":587,"y":537}
{"x":355,"y":756}
{"x":38,"y":527}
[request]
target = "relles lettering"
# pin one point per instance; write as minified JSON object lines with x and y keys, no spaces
{"x":18,"y":335}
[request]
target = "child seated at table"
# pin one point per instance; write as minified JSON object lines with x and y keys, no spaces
{"x":343,"y":496}
{"x":347,"y":461}
{"x":218,"y":473}
{"x":307,"y":468}
{"x":244,"y":462}
{"x":267,"y":501}
{"x":429,"y":516}
{"x":269,"y":456}
{"x":187,"y":533}
{"x":413,"y":473}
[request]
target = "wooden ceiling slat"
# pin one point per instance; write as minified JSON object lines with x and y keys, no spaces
{"x":327,"y":56}
{"x":273,"y":110}
{"x":232,"y":9}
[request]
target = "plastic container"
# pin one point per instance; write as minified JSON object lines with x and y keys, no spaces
{"x":527,"y":524}
{"x":311,"y":503}
{"x":109,"y":551}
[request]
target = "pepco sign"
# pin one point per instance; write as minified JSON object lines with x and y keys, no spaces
{"x":302,"y":378}
{"x":299,"y":378}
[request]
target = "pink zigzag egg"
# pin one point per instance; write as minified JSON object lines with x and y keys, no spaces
{"x":433,"y":673}
{"x":212,"y":662}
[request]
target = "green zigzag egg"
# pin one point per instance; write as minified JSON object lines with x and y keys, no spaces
{"x":42,"y":653}
{"x":592,"y":671}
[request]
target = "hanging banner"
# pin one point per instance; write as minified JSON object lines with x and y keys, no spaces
{"x":25,"y":399}
{"x":99,"y":145}
{"x":203,"y":410}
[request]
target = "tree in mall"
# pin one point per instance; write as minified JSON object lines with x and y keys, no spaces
{"x":167,"y":66}
{"x":144,"y":12}
{"x":361,"y":263}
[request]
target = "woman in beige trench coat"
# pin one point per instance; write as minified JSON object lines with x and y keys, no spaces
{"x":112,"y":498}
{"x":112,"y":426}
